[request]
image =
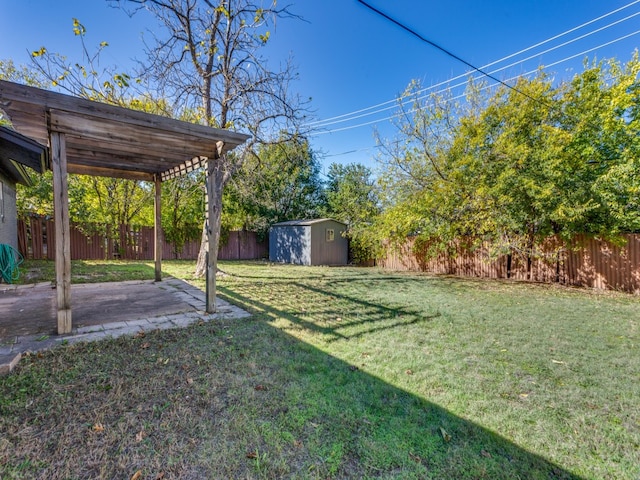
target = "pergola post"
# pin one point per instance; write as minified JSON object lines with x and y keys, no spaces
{"x":157,"y":247}
{"x":63,"y":244}
{"x":210,"y":271}
{"x":213,"y":206}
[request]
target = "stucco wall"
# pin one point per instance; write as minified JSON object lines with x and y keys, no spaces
{"x":8,"y":213}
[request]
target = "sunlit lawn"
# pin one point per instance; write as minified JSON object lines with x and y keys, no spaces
{"x":87,"y":271}
{"x":344,"y":373}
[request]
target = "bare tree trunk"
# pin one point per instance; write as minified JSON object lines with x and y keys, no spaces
{"x":211,"y":231}
{"x":201,"y":265}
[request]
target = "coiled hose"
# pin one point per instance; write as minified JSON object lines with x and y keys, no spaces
{"x":10,"y":260}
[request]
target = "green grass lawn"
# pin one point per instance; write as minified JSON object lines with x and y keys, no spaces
{"x":87,"y":271}
{"x":343,"y":373}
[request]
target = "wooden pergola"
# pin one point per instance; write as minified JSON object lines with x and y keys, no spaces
{"x":93,"y":138}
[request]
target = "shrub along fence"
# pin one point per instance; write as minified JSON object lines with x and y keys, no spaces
{"x":36,"y":240}
{"x":593,"y":263}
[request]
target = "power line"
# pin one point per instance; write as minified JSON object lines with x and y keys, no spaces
{"x":451,"y":54}
{"x":336,"y":119}
{"x":496,"y":70}
{"x":447,"y":52}
{"x":569,"y":31}
{"x":584,"y":52}
{"x":348,"y":152}
{"x":394,"y":104}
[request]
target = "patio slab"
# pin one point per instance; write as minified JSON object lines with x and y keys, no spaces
{"x":100,"y":310}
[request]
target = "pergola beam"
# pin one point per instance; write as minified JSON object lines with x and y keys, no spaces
{"x":80,"y":169}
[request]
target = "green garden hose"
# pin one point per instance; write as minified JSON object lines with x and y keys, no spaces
{"x":10,"y":260}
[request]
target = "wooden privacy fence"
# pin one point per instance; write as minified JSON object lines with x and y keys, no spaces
{"x":36,"y":240}
{"x":594,"y":264}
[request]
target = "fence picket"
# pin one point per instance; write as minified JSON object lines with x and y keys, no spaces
{"x":597,"y":264}
{"x":36,"y":240}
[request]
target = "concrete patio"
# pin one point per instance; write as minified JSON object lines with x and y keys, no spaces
{"x":100,"y":310}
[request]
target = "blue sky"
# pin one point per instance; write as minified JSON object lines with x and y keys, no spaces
{"x":350,"y":59}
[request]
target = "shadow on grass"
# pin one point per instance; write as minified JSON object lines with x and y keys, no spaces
{"x":242,"y":399}
{"x":383,"y":430}
{"x":330,"y":321}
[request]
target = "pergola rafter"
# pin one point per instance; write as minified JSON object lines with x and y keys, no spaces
{"x":93,"y":138}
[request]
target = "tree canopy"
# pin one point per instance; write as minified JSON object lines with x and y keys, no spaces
{"x":514,"y":166}
{"x":280,"y":181}
{"x":352,"y":197}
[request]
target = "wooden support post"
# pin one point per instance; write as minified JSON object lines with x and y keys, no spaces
{"x":158,"y":227}
{"x":63,"y":245}
{"x":212,"y":253}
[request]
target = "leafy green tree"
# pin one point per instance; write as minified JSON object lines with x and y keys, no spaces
{"x":207,"y":58}
{"x":602,"y":123}
{"x":86,"y":78}
{"x":518,"y":165}
{"x":11,"y":72}
{"x":38,"y":197}
{"x":183,"y":200}
{"x":278,"y":182}
{"x":104,"y":203}
{"x":352,"y":197}
{"x":421,"y":182}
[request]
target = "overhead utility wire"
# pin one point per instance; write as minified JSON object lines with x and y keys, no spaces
{"x":449,"y":87}
{"x":451,"y":54}
{"x":372,"y":122}
{"x":570,"y":31}
{"x":330,"y":119}
{"x":426,"y":89}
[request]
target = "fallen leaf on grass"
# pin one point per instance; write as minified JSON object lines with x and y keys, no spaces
{"x":98,"y":427}
{"x":524,"y":395}
{"x":445,"y":436}
{"x":252,"y":455}
{"x":409,"y":371}
{"x":160,"y":476}
{"x":140,"y":435}
{"x":484,"y":453}
{"x":558,"y":362}
{"x":415,"y":458}
{"x":137,"y":475}
{"x":145,"y":345}
{"x":140,"y":334}
{"x":189,"y":380}
{"x":260,"y":388}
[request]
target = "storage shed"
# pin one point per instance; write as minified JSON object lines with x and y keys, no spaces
{"x":309,"y":242}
